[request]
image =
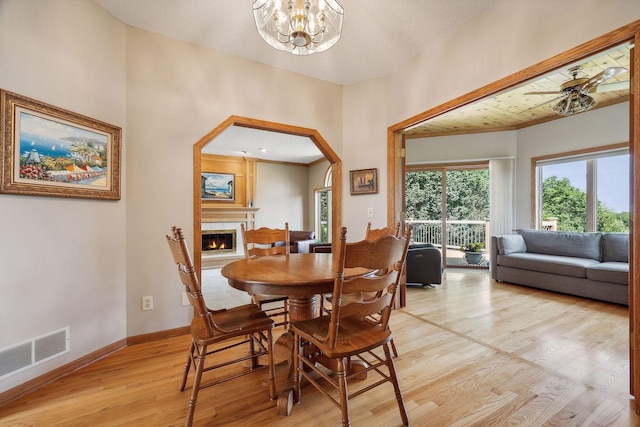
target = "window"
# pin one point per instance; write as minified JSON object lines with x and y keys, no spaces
{"x":583,"y":192}
{"x":323,"y":209}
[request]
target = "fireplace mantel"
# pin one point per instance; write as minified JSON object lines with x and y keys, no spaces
{"x":228,"y":214}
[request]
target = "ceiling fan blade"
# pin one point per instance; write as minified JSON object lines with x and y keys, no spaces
{"x":602,"y":77}
{"x":613,"y":86}
{"x":555,"y":92}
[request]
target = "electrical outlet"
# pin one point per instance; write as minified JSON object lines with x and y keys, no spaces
{"x":185,"y":299}
{"x":147,"y":303}
{"x":370,"y":212}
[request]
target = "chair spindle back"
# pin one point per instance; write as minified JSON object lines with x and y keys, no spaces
{"x":385,"y":259}
{"x":376,"y":233}
{"x":262,"y":242}
{"x":188,"y":276}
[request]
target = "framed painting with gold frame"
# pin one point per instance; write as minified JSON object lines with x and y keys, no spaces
{"x":49,"y":151}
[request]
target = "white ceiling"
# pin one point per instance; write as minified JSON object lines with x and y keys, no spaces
{"x":246,"y":142}
{"x":378,"y":36}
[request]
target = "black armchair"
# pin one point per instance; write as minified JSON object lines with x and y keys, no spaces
{"x":424,"y":265}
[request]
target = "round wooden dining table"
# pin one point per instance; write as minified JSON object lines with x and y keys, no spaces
{"x":299,"y":276}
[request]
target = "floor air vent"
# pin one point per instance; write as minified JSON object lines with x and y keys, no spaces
{"x":30,"y":353}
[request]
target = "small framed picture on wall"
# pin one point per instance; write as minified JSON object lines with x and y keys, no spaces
{"x":363,"y":181}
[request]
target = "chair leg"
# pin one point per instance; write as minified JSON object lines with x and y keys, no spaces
{"x":396,"y":386}
{"x":187,"y":366}
{"x":296,"y":367}
{"x":393,"y":348}
{"x":286,"y":314}
{"x":272,"y":367}
{"x":344,"y":394}
{"x":252,"y":350}
{"x":202,"y":354}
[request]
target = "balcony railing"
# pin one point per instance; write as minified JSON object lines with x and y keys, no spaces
{"x":463,"y":232}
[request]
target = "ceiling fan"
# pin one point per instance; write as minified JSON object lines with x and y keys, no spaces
{"x":574,"y":94}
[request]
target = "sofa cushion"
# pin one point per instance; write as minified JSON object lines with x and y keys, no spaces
{"x":511,"y":243}
{"x":303,"y":246}
{"x":615,"y":247}
{"x":554,"y":264}
{"x":613,"y":272}
{"x":563,"y":243}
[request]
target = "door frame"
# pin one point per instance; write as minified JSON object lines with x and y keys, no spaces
{"x":627,"y":33}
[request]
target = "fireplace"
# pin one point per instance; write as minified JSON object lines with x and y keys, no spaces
{"x":218,"y":241}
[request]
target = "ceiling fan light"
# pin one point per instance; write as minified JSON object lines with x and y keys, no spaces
{"x":573,"y":104}
{"x":300,"y":27}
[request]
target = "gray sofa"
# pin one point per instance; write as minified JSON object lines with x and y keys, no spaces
{"x":591,"y":265}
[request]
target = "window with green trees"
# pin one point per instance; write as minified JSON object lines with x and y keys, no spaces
{"x":467,"y":194}
{"x":585,"y":193}
{"x":448,"y":206}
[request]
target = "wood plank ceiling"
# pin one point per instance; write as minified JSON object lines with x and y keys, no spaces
{"x":512,"y":109}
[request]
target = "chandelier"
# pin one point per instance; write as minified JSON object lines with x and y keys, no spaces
{"x":301,"y":27}
{"x":575,"y":102}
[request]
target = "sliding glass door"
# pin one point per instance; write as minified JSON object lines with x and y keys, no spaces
{"x":448,"y":206}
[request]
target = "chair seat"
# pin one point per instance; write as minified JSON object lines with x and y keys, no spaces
{"x":234,"y":322}
{"x":355,"y":335}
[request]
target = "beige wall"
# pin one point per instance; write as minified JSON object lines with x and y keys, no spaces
{"x":461,"y":148}
{"x":281,"y":195}
{"x":176,"y":93}
{"x":87,"y":263}
{"x":63,"y":261}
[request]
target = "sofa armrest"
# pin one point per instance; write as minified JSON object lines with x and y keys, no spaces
{"x":493,"y":254}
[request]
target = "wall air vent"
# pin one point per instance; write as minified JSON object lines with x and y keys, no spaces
{"x":22,"y":356}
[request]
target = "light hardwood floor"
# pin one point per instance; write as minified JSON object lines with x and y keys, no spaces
{"x":473,"y":352}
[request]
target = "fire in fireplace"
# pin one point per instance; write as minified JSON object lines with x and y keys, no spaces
{"x":218,"y":241}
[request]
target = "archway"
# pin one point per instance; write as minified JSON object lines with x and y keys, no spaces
{"x":312,"y":134}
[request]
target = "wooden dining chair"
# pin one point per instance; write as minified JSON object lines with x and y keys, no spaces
{"x":370,"y":234}
{"x":267,"y":242}
{"x":350,"y":333}
{"x":232,"y":327}
{"x":376,"y":233}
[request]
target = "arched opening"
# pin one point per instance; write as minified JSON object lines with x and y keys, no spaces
{"x":312,"y":134}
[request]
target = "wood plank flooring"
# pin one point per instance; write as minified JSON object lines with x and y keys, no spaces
{"x":473,"y":352}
